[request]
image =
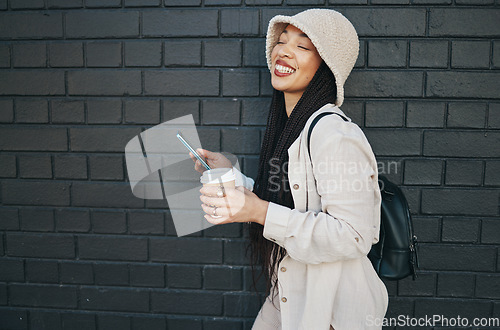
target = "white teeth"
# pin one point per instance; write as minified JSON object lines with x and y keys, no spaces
{"x":284,"y":69}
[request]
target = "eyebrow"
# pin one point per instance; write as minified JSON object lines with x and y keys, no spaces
{"x":301,"y":35}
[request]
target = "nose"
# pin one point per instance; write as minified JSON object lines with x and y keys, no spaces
{"x":285,"y":51}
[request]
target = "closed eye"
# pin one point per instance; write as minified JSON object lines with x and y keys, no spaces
{"x":304,"y":47}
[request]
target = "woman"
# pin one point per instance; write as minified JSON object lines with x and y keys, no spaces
{"x":313,"y":217}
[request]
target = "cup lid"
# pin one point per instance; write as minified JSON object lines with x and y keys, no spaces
{"x":217,"y":175}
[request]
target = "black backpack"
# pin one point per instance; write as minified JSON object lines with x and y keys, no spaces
{"x":394,"y":257}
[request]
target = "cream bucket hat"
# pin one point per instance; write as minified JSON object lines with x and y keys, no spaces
{"x":331,"y":33}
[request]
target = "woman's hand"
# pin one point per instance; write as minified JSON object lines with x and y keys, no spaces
{"x":238,"y":205}
{"x":213,"y":159}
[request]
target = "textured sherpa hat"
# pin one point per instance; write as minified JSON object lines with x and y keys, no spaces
{"x":331,"y":33}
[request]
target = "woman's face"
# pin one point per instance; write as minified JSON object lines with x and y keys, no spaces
{"x":294,"y":61}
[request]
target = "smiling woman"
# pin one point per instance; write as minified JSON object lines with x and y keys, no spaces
{"x":311,"y":240}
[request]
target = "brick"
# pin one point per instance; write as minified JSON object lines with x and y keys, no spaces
{"x":470,"y":54}
{"x":140,"y":222}
{"x":266,"y":89}
{"x":109,"y":222}
{"x":109,"y":195}
{"x":460,"y":230}
{"x":42,"y":271}
{"x":112,"y":248}
{"x":29,"y":55}
{"x":234,"y":252}
{"x":464,"y":172}
{"x":106,"y":167}
{"x":72,"y":220}
{"x":241,"y":305}
{"x":101,"y":139}
{"x":210,"y":138}
{"x":394,"y":142}
{"x":253,"y":53}
{"x":37,"y":219}
{"x":104,"y":54}
{"x":496,"y":54}
{"x":103,"y":3}
{"x":102,"y":24}
{"x":180,"y":23}
{"x":459,"y":202}
{"x":474,"y":22}
{"x":354,"y":110}
{"x":40,"y":246}
{"x":36,"y":25}
{"x":45,"y":320}
{"x":494,"y":115}
{"x":182,"y":82}
{"x":70,"y":167}
{"x":67,"y":111}
{"x":268,"y":13}
{"x":387,"y":53}
{"x":31,"y":111}
{"x":222,"y":2}
{"x":122,"y":300}
{"x":239,"y":22}
{"x":432,"y":2}
{"x":32,"y":82}
{"x":455,"y":285}
{"x":240,"y":83}
{"x":489,"y":231}
{"x":474,"y":2}
{"x":180,"y":276}
{"x":362,"y":57}
{"x":143,"y":53}
{"x":78,"y":321}
{"x":10,"y":219}
{"x":3,"y":294}
{"x":221,"y":112}
{"x":142,"y":3}
{"x":491,"y":177}
{"x":460,"y":144}
{"x":425,"y":286}
{"x":488,"y":286}
{"x":204,"y":303}
{"x":65,"y":3}
{"x":427,"y":229}
{"x":182,"y":2}
{"x":221,"y":53}
{"x":222,"y":324}
{"x":76,"y":273}
{"x":255,"y":111}
{"x":114,"y":322}
{"x":43,"y":296}
{"x":263,"y":2}
{"x":2,"y":252}
{"x":251,"y":166}
{"x":35,"y":193}
{"x":149,"y":322}
{"x":14,"y":319}
{"x":384,"y":84}
{"x":423,"y":172}
{"x":384,"y":114}
{"x":67,"y":54}
{"x":425,"y":114}
{"x":240,"y":141}
{"x":182,"y":53}
{"x":105,"y":111}
{"x":305,"y":2}
{"x":472,"y":258}
{"x":466,"y":114}
{"x":100,"y":83}
{"x":428,"y":54}
{"x":172,"y":109}
{"x":27,"y":4}
{"x":181,"y":249}
{"x":142,"y":111}
{"x":147,"y":275}
{"x":111,"y":274}
{"x":6,"y":111}
{"x":387,"y":21}
{"x":11,"y":270}
{"x":35,"y":166}
{"x":222,"y":278}
{"x":229,"y":230}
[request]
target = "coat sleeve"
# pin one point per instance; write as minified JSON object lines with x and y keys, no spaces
{"x":242,"y":179}
{"x":345,"y":174}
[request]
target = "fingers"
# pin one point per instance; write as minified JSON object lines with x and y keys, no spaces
{"x":213,"y":201}
{"x":220,"y":212}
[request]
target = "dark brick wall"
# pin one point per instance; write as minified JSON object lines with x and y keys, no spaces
{"x":79,"y":78}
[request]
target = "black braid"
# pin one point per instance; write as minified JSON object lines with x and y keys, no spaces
{"x":281,"y":132}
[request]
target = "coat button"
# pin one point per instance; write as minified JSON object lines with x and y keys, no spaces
{"x":357,"y":239}
{"x":283,"y":299}
{"x":283,"y":269}
{"x":295,"y":186}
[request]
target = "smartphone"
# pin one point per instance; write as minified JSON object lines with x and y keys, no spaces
{"x":184,"y":142}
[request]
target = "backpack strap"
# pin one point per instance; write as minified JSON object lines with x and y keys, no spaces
{"x":314,"y":122}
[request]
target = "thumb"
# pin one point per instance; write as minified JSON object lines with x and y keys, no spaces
{"x":205,"y":153}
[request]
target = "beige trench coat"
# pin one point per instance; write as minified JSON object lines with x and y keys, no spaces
{"x":326,"y":279}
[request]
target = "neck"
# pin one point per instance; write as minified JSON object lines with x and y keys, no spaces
{"x":291,"y":100}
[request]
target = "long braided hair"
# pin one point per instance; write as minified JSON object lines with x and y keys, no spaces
{"x":272,"y":182}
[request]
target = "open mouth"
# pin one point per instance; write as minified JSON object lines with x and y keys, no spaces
{"x":284,"y":69}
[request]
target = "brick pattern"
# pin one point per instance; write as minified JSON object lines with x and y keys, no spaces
{"x":79,"y":78}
